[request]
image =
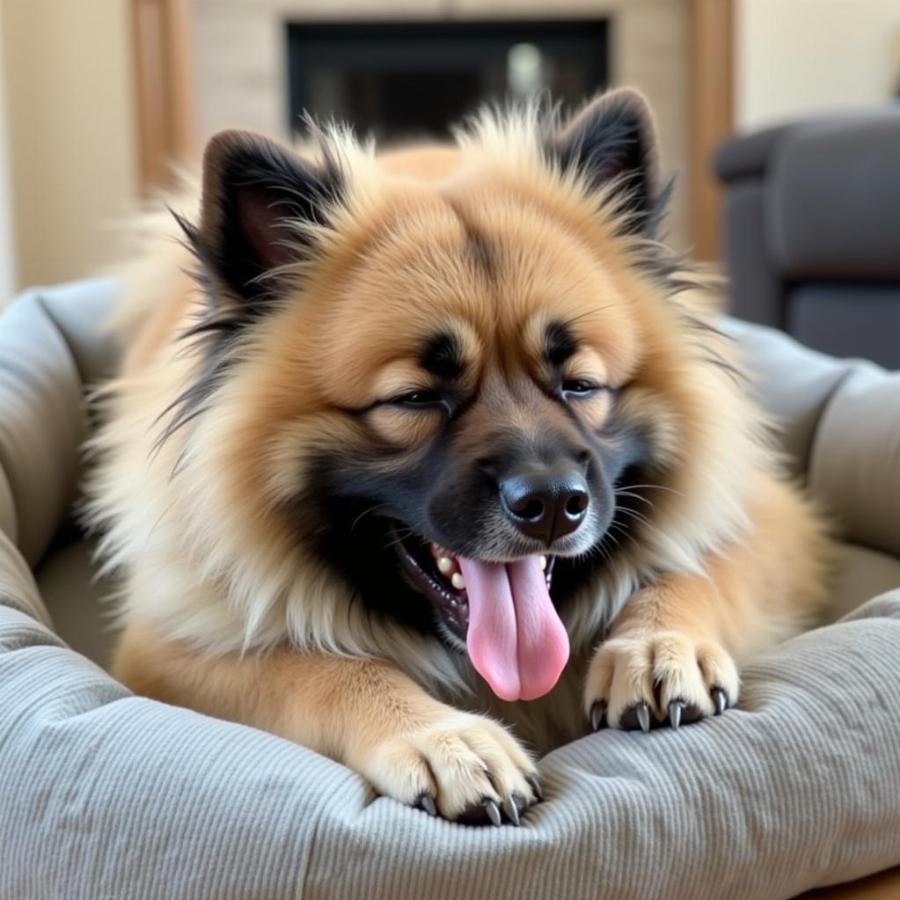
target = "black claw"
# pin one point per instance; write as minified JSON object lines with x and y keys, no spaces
{"x":426,"y":802}
{"x":676,"y":707}
{"x":643,"y":716}
{"x":535,"y":786}
{"x":493,"y":811}
{"x":720,"y":699}
{"x":598,"y":715}
{"x":510,"y":807}
{"x":637,"y":716}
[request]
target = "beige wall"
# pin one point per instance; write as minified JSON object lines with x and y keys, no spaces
{"x":796,"y":57}
{"x":68,"y":77}
{"x":7,"y":244}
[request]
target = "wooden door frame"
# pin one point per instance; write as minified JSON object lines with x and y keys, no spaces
{"x":711,"y":115}
{"x":164,"y":87}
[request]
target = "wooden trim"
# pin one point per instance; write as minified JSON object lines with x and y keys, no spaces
{"x":712,"y":115}
{"x":881,"y":886}
{"x":164,"y":84}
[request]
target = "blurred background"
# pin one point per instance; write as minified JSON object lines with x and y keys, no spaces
{"x":97,"y":96}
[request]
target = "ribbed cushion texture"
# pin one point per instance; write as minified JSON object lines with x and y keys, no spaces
{"x":106,"y":795}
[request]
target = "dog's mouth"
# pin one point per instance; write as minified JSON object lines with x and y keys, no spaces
{"x":501,"y":612}
{"x":436,"y":573}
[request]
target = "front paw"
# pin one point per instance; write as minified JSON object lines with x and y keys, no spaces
{"x":658,"y":676}
{"x":463,"y":767}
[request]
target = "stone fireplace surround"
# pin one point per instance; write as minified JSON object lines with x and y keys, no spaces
{"x":240,"y":52}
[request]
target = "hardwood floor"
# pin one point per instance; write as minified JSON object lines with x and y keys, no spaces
{"x":883,"y":886}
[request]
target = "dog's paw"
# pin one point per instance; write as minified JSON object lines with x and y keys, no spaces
{"x":463,"y":767}
{"x":662,"y":676}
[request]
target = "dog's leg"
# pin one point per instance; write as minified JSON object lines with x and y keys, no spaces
{"x":671,"y":653}
{"x":365,"y":713}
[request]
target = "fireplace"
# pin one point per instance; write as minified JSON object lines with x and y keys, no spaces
{"x":408,"y":67}
{"x":402,"y":79}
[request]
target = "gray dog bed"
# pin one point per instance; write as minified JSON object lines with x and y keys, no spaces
{"x":103,"y":794}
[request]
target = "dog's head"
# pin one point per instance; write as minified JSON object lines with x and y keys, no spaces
{"x":426,"y":372}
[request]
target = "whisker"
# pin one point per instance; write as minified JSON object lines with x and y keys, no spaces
{"x":364,"y":513}
{"x":635,"y":515}
{"x":658,"y":487}
{"x":647,"y":500}
{"x":644,"y":521}
{"x":620,"y":531}
{"x":399,"y":538}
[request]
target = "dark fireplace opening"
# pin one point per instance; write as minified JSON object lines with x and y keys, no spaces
{"x":402,"y":79}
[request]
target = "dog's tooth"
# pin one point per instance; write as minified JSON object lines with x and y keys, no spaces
{"x":543,"y":562}
{"x":458,"y":581}
{"x":444,"y":564}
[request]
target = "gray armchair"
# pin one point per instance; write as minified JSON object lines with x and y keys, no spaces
{"x":812,"y":231}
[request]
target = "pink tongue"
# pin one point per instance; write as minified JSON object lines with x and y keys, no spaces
{"x":516,"y":641}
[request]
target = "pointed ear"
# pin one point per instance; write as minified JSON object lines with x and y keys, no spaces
{"x":613,"y":141}
{"x":255,"y":193}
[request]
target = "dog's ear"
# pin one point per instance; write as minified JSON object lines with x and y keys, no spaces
{"x":257,"y":196}
{"x":612,"y":141}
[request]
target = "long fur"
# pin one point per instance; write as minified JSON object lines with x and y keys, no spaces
{"x":208,"y":424}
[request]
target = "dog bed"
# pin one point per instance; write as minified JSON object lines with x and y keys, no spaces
{"x":104,"y":794}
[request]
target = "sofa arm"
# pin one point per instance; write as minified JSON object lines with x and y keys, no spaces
{"x":833,"y":200}
{"x":757,"y":294}
{"x":855,"y":464}
{"x":815,"y":201}
{"x":748,"y":156}
{"x":839,"y":424}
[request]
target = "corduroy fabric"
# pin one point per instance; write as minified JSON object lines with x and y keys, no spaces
{"x":105,"y":795}
{"x":111,"y":796}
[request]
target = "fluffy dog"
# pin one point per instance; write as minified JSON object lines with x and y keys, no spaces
{"x":407,"y":445}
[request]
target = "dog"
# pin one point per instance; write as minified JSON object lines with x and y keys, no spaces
{"x":412,"y":452}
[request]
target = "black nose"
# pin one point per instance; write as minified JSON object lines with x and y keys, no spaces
{"x":545,"y":505}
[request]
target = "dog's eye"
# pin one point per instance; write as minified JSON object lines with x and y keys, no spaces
{"x":422,"y":399}
{"x":578,"y":388}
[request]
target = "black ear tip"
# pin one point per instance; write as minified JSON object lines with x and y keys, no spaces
{"x":225,"y":143}
{"x":233,"y":153}
{"x":219,"y":156}
{"x":256,"y":196}
{"x":626,"y":106}
{"x":634,"y":106}
{"x":629,"y":98}
{"x":623,"y":113}
{"x":612,"y":140}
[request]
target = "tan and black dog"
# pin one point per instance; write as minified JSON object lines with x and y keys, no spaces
{"x":435,"y":442}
